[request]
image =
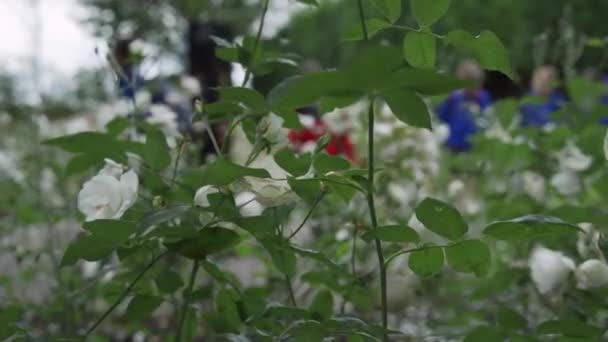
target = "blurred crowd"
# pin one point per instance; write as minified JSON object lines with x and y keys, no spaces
{"x":171,"y":102}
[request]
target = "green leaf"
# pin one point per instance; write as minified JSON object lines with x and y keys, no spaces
{"x":426,"y":262}
{"x":286,"y":312}
{"x":569,"y":328}
{"x":224,"y":172}
{"x":164,"y":215}
{"x":88,"y":248}
{"x":296,"y":165}
{"x":80,"y":163}
{"x":246,"y":97}
{"x":301,"y":91}
{"x":219,"y":275}
{"x":226,"y":305}
{"x":320,"y":257}
{"x":420,"y":49}
{"x":390,"y":9}
{"x":290,"y":117}
{"x":470,"y":256}
{"x":510,"y":320}
{"x":441,"y":219}
{"x":408,"y":107}
{"x":393,"y":234}
{"x":106,"y":236}
{"x":324,"y":163}
{"x":428,"y":12}
{"x":427,"y":82}
{"x":309,"y":2}
{"x":486,"y":48}
{"x":529,"y":227}
{"x":307,"y":189}
{"x":322,"y":305}
{"x":282,"y":255}
{"x":228,"y":54}
{"x":373,"y":26}
{"x":168,"y":281}
{"x":142,"y":306}
{"x":484,"y":334}
{"x":156,"y":151}
{"x":307,"y":331}
{"x":113,"y":232}
{"x":210,"y":240}
{"x":371,"y":70}
{"x":97,"y":144}
{"x":329,"y":103}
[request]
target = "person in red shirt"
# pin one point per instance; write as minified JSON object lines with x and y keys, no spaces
{"x":304,"y":140}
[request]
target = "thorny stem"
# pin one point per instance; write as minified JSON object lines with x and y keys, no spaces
{"x":370,"y":194}
{"x":122,"y":296}
{"x":187,"y":298}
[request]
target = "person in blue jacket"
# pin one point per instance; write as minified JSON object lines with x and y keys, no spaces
{"x":463,"y":110}
{"x":542,"y":85}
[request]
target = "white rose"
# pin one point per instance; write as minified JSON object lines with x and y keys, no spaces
{"x":271,"y":129}
{"x":247,"y":204}
{"x":588,"y":240}
{"x":269,"y":192}
{"x":592,"y":273}
{"x":403,"y":192}
{"x":567,"y":183}
{"x":383,"y":129}
{"x":337,"y":121}
{"x":549,"y":269}
{"x":571,"y":158}
{"x":534,"y":185}
{"x":175,"y":98}
{"x":143,"y":98}
{"x":455,"y":187}
{"x":191,"y":85}
{"x":166,"y":118}
{"x":200,"y":198}
{"x":108,"y":194}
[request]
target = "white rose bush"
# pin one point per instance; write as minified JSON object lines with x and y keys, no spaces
{"x":260,"y":242}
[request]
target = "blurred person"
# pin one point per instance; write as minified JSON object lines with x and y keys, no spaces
{"x":171,"y":99}
{"x":543,"y":85}
{"x":129,"y":77}
{"x":463,"y":110}
{"x":314,"y":127}
{"x":336,"y":124}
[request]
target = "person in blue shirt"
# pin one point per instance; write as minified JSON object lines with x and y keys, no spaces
{"x":542,"y":85}
{"x":129,"y":78}
{"x":463,"y":110}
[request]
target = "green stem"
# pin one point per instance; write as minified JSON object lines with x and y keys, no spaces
{"x":292,"y":296}
{"x":187,"y":299}
{"x":362,"y":19}
{"x":180,"y":147}
{"x":370,"y":193}
{"x":256,"y":43}
{"x":314,"y":206}
{"x":372,"y":212}
{"x":122,"y":296}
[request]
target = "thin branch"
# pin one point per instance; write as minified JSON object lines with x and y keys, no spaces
{"x":122,"y":296}
{"x":312,"y":208}
{"x":187,"y":299}
{"x":292,"y":296}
